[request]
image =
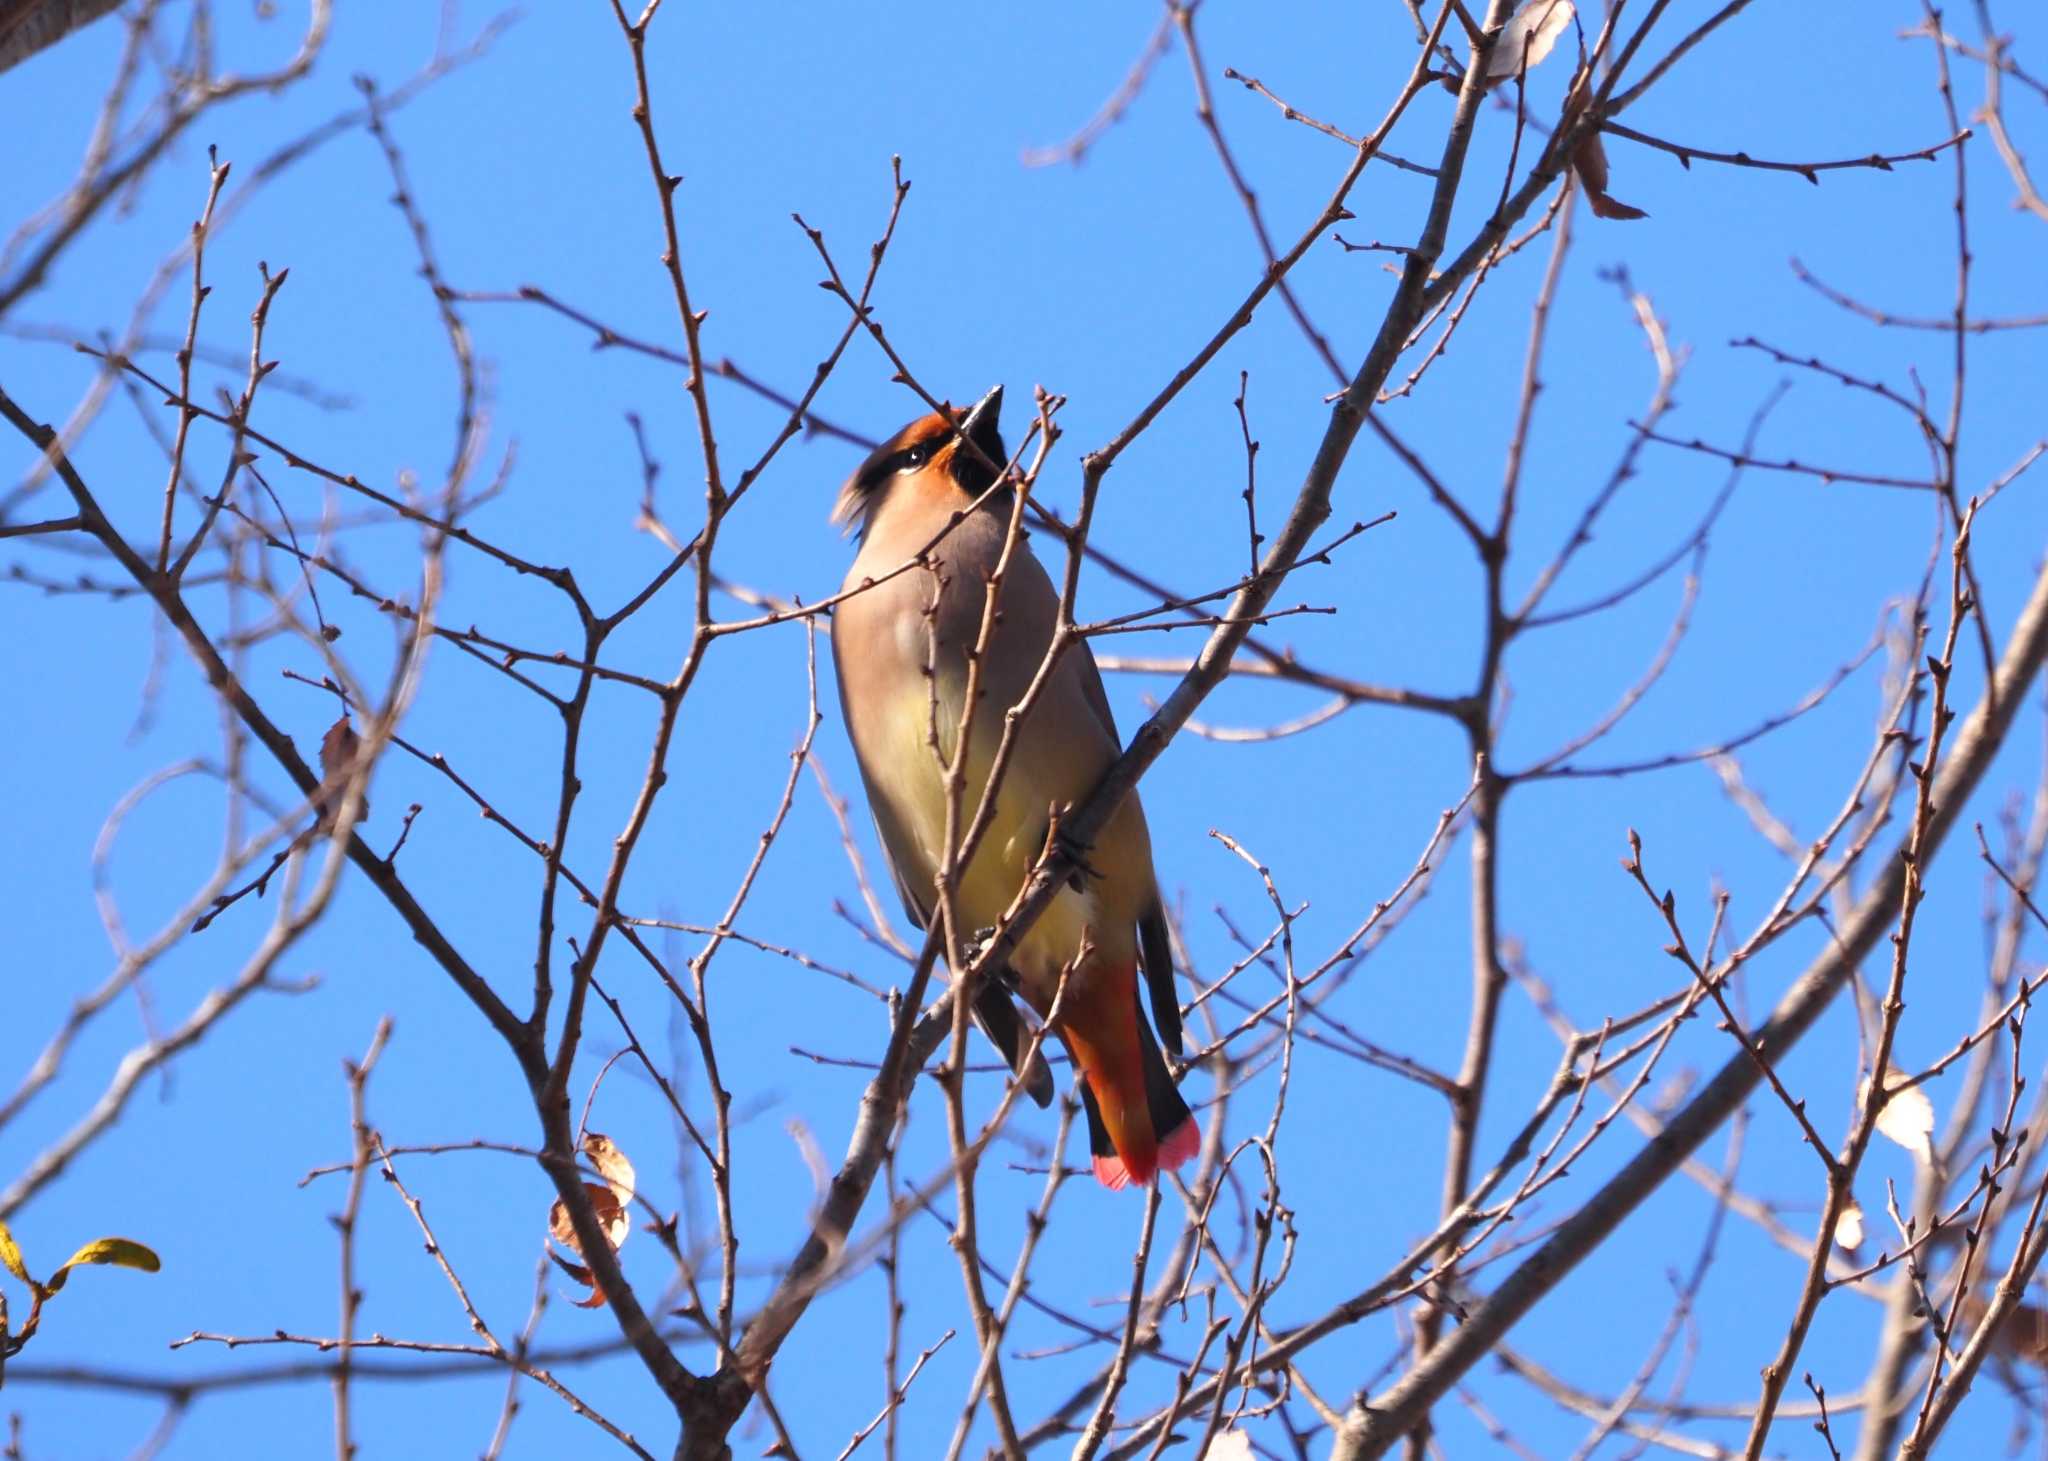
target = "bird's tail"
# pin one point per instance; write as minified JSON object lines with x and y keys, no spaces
{"x":1138,"y":1125}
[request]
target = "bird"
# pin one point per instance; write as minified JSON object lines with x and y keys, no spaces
{"x":902,"y":638}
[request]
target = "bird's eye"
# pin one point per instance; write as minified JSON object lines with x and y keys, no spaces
{"x":916,"y":456}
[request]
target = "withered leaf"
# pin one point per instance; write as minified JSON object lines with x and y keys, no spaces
{"x":1849,"y":1227}
{"x":338,"y":751}
{"x":582,"y":1275}
{"x":1528,"y":37}
{"x":611,"y":1165}
{"x":1907,"y":1116}
{"x":2023,"y":1336}
{"x":612,"y":1215}
{"x":1595,"y":165}
{"x":1589,"y":161}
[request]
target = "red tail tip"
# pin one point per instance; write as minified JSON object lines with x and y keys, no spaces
{"x":1181,"y":1145}
{"x":1110,"y":1172}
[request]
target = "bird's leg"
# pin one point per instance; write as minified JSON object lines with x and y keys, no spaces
{"x":1056,"y":839}
{"x":977,"y":944}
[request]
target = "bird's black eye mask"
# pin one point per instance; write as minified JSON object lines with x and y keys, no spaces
{"x":861,"y":491}
{"x":969,"y":471}
{"x":909,"y":459}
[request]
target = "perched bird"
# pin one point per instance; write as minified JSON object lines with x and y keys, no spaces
{"x":902,"y":647}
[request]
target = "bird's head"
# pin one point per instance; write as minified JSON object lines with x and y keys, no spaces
{"x":952,"y":456}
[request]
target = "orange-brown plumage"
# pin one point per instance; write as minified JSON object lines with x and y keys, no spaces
{"x":934,"y":431}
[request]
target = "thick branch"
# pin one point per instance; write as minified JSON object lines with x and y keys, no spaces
{"x":1373,"y":1426}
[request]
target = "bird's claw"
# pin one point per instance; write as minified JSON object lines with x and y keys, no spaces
{"x":977,"y":944}
{"x":1072,"y":850}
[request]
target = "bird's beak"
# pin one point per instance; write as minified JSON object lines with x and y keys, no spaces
{"x":982,"y":425}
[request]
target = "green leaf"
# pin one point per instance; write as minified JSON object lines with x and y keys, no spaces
{"x":121,"y":1252}
{"x":10,"y":1254}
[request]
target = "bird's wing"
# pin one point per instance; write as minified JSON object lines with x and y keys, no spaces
{"x":896,"y":850}
{"x":1155,"y":947}
{"x":1157,"y":951}
{"x":1092,"y":691}
{"x":999,"y":1020}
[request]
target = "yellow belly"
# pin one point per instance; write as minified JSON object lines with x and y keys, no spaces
{"x":910,"y":777}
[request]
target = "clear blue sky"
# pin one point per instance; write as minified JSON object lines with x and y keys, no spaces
{"x":1094,"y":281}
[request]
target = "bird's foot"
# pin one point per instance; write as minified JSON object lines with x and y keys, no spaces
{"x":977,"y":945}
{"x":1072,"y":850}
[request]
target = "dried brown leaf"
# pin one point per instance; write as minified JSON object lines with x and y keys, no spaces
{"x":612,"y":1216}
{"x":1528,"y":37}
{"x":338,"y":751}
{"x":611,"y":1165}
{"x":1589,"y":161}
{"x":2023,"y":1336}
{"x":593,"y":1299}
